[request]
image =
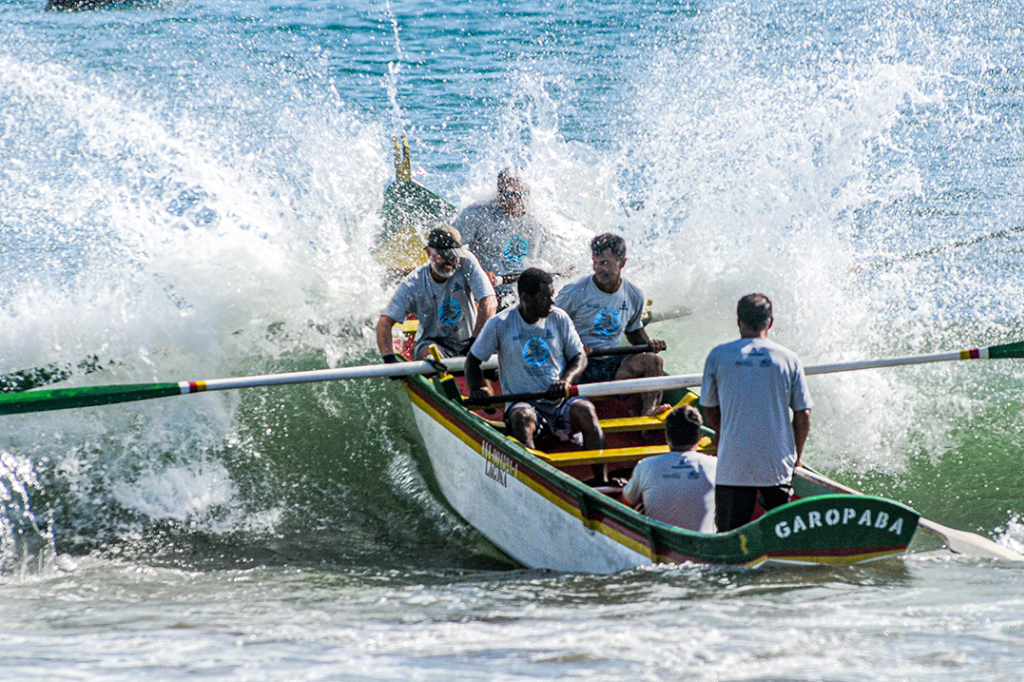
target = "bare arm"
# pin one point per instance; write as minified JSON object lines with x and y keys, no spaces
{"x":573,"y":369}
{"x":485,"y":311}
{"x":713,"y":420}
{"x":801,"y":427}
{"x":639,"y":337}
{"x":385,"y":343}
{"x":475,"y":377}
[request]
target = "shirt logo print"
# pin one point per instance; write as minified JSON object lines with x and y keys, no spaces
{"x":536,"y":352}
{"x":607,"y":322}
{"x":449,"y":311}
{"x":516,"y":249}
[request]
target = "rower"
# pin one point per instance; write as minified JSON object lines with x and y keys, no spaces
{"x":678,"y":487}
{"x":604,"y":307}
{"x":449,"y":294}
{"x":538,"y":351}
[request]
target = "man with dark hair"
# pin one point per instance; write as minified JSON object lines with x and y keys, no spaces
{"x":538,"y":350}
{"x":678,"y":487}
{"x":449,"y":294}
{"x":750,"y":385}
{"x":604,"y":307}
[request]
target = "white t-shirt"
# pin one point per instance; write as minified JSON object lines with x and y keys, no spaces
{"x":602,"y":318}
{"x":531,"y":357}
{"x":755,"y":382}
{"x":677,"y":488}
{"x":446,"y":311}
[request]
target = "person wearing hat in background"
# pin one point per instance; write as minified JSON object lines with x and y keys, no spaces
{"x":450,"y":294}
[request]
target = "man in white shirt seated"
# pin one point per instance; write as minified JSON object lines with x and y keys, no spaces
{"x":449,"y":294}
{"x":678,"y":487}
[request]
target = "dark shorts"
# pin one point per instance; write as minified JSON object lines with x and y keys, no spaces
{"x":734,"y":504}
{"x":551,"y":417}
{"x":601,"y":369}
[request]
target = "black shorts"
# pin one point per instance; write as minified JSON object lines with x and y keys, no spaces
{"x":552,"y":418}
{"x":734,"y":504}
{"x":601,"y":369}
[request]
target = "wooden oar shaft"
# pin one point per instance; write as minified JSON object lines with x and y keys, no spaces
{"x":86,"y":396}
{"x":59,"y":399}
{"x":667,"y":383}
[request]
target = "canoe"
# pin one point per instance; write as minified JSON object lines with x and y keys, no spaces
{"x":534,"y":506}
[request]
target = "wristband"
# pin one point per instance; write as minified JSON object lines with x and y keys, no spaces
{"x":390,"y":358}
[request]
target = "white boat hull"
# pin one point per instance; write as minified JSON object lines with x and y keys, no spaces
{"x":523,"y":519}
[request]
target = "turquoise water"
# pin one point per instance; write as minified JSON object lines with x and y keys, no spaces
{"x":189,"y":190}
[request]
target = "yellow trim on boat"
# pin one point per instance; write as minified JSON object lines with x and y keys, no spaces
{"x":689,"y":399}
{"x":530,"y":483}
{"x":459,"y":433}
{"x":607,"y":456}
{"x":632,"y":424}
{"x":610,"y":456}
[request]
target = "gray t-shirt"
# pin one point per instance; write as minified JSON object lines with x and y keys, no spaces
{"x":677,"y":488}
{"x":755,"y":382}
{"x":602,"y":318}
{"x":504,"y":245}
{"x":531,"y":357}
{"x":446,"y":311}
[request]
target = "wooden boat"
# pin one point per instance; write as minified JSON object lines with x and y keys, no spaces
{"x":534,"y":504}
{"x":536,"y":508}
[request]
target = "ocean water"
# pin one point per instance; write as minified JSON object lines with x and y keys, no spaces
{"x":190,"y":190}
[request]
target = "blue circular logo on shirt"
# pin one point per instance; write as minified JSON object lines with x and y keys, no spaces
{"x":449,"y":311}
{"x":536,"y":352}
{"x":607,"y":322}
{"x":516,"y":249}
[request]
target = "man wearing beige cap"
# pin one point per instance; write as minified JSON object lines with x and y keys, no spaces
{"x":450,"y":294}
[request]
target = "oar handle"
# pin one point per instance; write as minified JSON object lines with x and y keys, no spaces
{"x":620,"y":350}
{"x":517,"y":397}
{"x":513,"y":277}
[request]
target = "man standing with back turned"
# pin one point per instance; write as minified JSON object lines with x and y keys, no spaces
{"x":749,"y":387}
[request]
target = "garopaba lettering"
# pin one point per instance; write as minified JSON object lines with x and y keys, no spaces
{"x":834,"y":517}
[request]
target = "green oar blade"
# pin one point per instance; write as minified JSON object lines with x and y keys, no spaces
{"x":85,"y":396}
{"x":1008,"y":350}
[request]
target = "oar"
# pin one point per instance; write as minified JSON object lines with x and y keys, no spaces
{"x":573,"y":390}
{"x":886,"y":262}
{"x":59,"y":399}
{"x":664,"y":315}
{"x":85,"y":396}
{"x":620,"y":350}
{"x":27,"y":379}
{"x":668,"y":383}
{"x":958,"y":541}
